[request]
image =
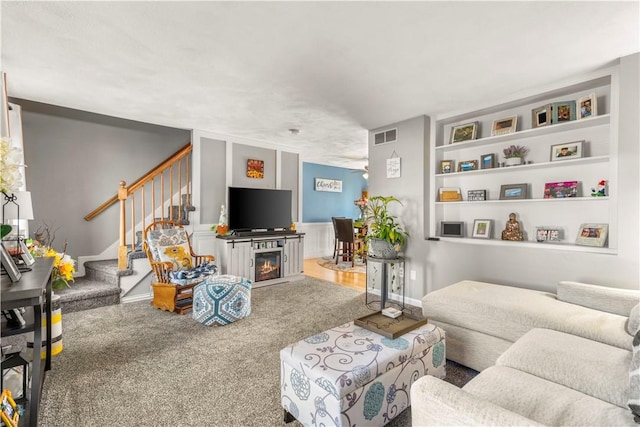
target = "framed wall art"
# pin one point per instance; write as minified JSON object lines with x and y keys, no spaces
{"x":560,"y":190}
{"x":513,"y":191}
{"x":587,"y":106}
{"x":467,"y":165}
{"x":592,"y":234}
{"x":566,"y":151}
{"x":463,"y":132}
{"x":482,"y":228}
{"x":331,"y":185}
{"x":541,"y":116}
{"x":476,"y":195}
{"x":504,"y":126}
{"x":488,"y":161}
{"x":255,"y":168}
{"x":447,"y":166}
{"x":563,"y":111}
{"x":393,"y":167}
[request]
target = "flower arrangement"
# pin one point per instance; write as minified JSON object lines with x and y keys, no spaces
{"x":63,"y":265}
{"x":362,"y":205}
{"x":515,"y":151}
{"x":10,"y":173}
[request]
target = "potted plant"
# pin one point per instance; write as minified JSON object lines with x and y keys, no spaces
{"x":514,"y":155}
{"x":385,"y":237}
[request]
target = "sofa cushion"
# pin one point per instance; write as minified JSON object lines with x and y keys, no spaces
{"x":508,"y":313}
{"x":596,"y":369}
{"x":634,"y":379}
{"x":633,"y":324}
{"x":611,"y":300}
{"x":544,"y":401}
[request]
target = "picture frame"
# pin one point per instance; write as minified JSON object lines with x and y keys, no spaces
{"x":567,"y":151}
{"x":452,"y":229}
{"x":504,"y":126}
{"x":447,"y":166}
{"x":587,"y":106}
{"x":464,"y":132}
{"x":9,"y":266}
{"x":488,"y":161}
{"x":325,"y":184}
{"x":541,"y":116}
{"x":564,"y":111}
{"x":560,"y":190}
{"x":255,"y":169}
{"x":482,"y":229}
{"x":449,"y":194}
{"x":592,"y":234}
{"x":513,"y":191}
{"x":548,"y":234}
{"x":476,"y":195}
{"x":467,"y":165}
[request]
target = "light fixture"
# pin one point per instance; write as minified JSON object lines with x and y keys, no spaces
{"x":365,"y":175}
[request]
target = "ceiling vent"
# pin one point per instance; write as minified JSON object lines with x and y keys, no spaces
{"x":385,"y":137}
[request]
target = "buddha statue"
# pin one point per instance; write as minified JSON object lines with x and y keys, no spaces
{"x":512,"y":229}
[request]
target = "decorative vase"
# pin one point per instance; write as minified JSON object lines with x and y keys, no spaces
{"x":513,"y":161}
{"x":380,"y":248}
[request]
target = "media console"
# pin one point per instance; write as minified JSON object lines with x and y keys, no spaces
{"x":266,"y":258}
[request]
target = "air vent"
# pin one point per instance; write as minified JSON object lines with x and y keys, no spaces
{"x":385,"y":137}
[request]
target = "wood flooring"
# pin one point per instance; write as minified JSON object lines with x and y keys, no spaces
{"x":350,"y":280}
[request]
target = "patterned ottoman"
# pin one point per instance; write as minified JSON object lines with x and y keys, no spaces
{"x":350,"y":376}
{"x":222,"y":299}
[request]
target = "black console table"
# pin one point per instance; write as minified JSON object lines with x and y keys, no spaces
{"x":32,"y":291}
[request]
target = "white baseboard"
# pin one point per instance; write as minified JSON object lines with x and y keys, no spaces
{"x":136,"y":298}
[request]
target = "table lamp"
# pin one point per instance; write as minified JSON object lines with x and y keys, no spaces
{"x":17,"y":206}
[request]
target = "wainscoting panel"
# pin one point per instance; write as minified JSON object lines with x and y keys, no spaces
{"x":318,"y":239}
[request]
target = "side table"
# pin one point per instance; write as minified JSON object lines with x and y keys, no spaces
{"x":385,"y":262}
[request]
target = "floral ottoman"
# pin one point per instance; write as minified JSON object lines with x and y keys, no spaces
{"x":350,"y":376}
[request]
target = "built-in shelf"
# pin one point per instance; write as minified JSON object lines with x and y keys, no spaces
{"x":534,"y":245}
{"x":563,"y":163}
{"x":518,"y":201}
{"x":529,"y":133}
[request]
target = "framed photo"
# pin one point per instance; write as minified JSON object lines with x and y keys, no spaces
{"x":467,"y":165}
{"x":513,"y":191}
{"x":566,"y":151}
{"x":541,"y":116}
{"x":447,"y":166}
{"x":449,"y":194}
{"x":548,"y":234}
{"x":488,"y":161}
{"x":332,"y":185}
{"x":464,"y":132}
{"x":587,"y":106}
{"x":560,"y":190}
{"x":482,"y":228}
{"x":9,"y":266}
{"x":592,"y":235}
{"x":476,"y":195}
{"x":563,"y":111}
{"x":255,"y":168}
{"x":451,"y":229}
{"x":504,"y":126}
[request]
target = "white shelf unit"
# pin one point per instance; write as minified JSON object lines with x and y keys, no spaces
{"x":598,"y":162}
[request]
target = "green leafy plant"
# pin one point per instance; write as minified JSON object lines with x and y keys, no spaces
{"x":383,"y":225}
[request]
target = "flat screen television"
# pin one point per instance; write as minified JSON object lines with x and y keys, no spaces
{"x":259,"y":209}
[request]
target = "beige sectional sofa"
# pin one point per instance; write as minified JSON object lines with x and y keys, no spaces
{"x":546,"y":359}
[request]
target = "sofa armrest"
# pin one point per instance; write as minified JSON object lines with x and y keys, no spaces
{"x":610,"y":300}
{"x":435,"y":402}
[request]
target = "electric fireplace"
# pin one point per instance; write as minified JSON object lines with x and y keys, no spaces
{"x":268,"y":265}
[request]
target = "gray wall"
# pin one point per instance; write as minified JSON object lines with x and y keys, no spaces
{"x":289,"y":180}
{"x":438,"y":264}
{"x":75,"y":162}
{"x":241,"y":154}
{"x":213,"y":179}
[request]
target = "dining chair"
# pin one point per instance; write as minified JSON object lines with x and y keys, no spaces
{"x":346,"y":240}
{"x":335,"y":234}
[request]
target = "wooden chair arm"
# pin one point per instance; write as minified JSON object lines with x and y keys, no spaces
{"x":162,"y":269}
{"x":199,"y":259}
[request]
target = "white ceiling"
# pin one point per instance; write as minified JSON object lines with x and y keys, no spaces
{"x":331,"y":69}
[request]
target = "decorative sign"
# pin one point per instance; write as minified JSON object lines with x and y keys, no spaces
{"x":475,"y":195}
{"x":255,"y":168}
{"x":393,"y":167}
{"x":333,"y":185}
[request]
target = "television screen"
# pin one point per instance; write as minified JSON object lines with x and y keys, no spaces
{"x":258,"y":208}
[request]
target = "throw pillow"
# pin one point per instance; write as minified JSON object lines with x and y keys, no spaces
{"x":165,"y":237}
{"x":633,"y":324}
{"x":179,"y":255}
{"x":634,"y":379}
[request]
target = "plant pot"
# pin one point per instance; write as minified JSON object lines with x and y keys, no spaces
{"x":379,"y":248}
{"x":513,"y":161}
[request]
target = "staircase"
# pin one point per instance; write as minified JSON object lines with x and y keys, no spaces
{"x":99,"y":287}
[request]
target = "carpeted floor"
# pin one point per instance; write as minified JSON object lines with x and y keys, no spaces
{"x":344,"y":266}
{"x":132,"y":365}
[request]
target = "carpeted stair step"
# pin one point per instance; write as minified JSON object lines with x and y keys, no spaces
{"x":99,"y":287}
